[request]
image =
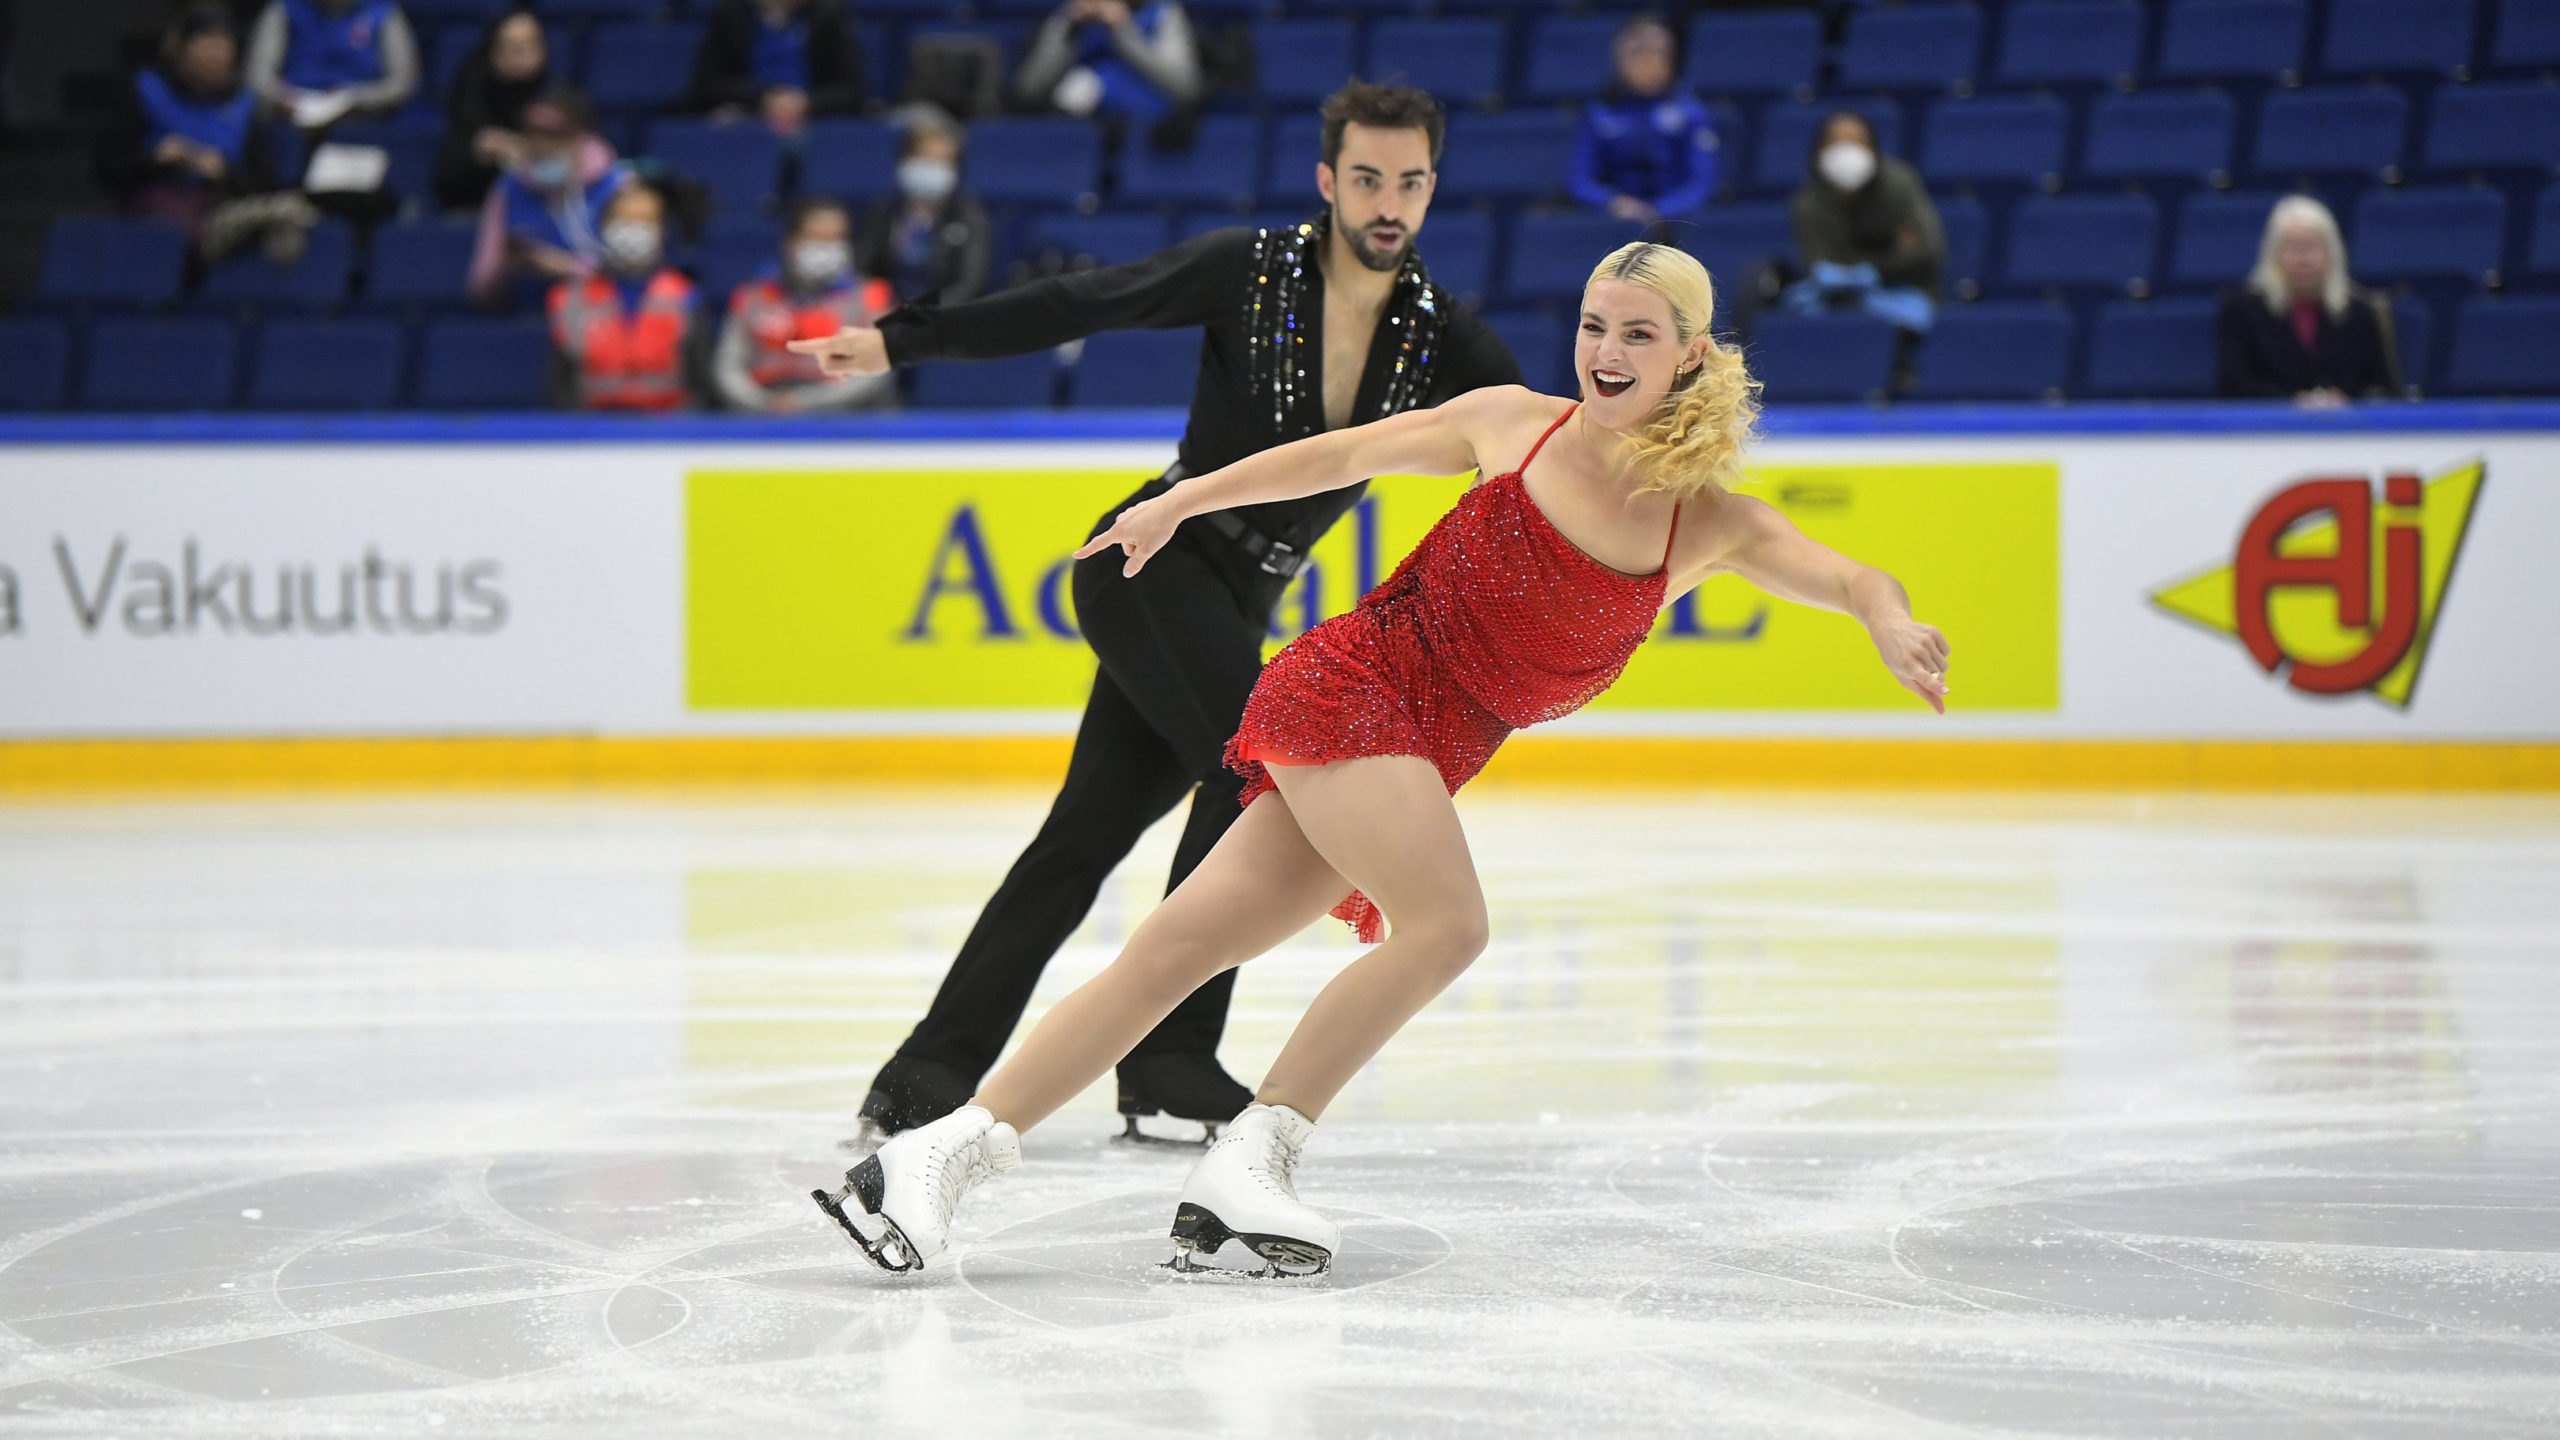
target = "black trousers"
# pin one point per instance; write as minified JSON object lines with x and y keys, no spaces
{"x":1180,"y":646}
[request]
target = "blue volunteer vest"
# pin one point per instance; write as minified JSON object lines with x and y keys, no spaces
{"x":219,"y":125}
{"x":1124,"y":90}
{"x":323,"y":51}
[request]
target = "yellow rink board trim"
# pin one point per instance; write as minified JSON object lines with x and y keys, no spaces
{"x":108,"y":766}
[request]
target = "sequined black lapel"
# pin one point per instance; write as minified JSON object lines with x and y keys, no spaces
{"x":1277,"y":330}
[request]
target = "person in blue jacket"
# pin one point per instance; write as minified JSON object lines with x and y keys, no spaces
{"x":1648,"y":150}
{"x":317,"y":61}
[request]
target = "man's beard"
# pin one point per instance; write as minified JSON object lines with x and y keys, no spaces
{"x":1367,"y":254}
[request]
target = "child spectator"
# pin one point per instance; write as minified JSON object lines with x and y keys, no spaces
{"x":543,"y":220}
{"x":932,"y":235}
{"x":815,"y":294}
{"x":1105,"y":58}
{"x":2300,"y":327}
{"x":185,"y":144}
{"x":1867,"y":237}
{"x":783,"y":60}
{"x":319,"y":61}
{"x":1647,"y":149}
{"x":485,"y":112}
{"x":623,"y":333}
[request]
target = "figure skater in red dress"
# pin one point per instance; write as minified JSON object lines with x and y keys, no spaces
{"x":1525,"y":601}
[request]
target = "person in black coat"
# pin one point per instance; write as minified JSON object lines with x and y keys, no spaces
{"x":784,"y":60}
{"x":2300,"y":328}
{"x":484,"y":130}
{"x":932,"y":236}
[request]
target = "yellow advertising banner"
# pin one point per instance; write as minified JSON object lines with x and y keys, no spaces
{"x":947,"y":589}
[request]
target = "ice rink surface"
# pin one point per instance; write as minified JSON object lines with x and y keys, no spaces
{"x":1775,"y":1115}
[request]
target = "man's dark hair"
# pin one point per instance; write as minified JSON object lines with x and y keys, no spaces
{"x":1381,"y":107}
{"x":807,"y":205}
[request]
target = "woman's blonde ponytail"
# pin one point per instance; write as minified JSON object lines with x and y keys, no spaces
{"x":1712,"y":415}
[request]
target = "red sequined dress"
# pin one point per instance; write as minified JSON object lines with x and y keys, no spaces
{"x":1495,"y":621}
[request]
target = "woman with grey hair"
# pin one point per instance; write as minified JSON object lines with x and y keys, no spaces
{"x":2300,"y":328}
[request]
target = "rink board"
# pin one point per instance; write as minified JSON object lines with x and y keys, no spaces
{"x":569,"y":604}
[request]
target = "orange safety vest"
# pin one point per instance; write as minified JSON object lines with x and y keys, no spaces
{"x":771,"y":322}
{"x":625,"y":362}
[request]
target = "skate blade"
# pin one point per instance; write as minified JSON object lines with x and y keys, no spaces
{"x":865,"y":1141}
{"x":1187,"y":1265}
{"x":1168,"y":1133}
{"x":1198,"y":1233}
{"x":890,"y":1249}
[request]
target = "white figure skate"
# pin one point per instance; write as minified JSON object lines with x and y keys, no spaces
{"x":1241,"y":1190}
{"x":905,"y":1194}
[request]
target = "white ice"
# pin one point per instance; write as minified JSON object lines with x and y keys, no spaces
{"x":1777,"y":1115}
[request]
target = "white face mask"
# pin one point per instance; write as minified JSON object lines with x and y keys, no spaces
{"x":926,"y":180}
{"x":631,"y":244}
{"x":821,"y":262}
{"x":1847,"y":164}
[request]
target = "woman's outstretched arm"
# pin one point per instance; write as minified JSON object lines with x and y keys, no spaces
{"x":1441,"y":441}
{"x":1770,"y":552}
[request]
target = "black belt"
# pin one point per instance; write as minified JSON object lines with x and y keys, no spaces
{"x":1274,"y":557}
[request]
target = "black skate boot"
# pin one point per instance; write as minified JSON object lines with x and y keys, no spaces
{"x":905,"y":1094}
{"x":1181,"y":1086}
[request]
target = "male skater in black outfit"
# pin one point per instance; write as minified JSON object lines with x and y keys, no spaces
{"x":1306,"y":329}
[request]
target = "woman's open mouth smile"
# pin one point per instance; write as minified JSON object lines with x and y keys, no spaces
{"x":1610,"y":384}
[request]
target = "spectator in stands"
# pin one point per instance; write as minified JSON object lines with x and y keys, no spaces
{"x":318,"y":61}
{"x":932,"y":235}
{"x":1867,"y":238}
{"x":1110,"y":59}
{"x":782,"y":60}
{"x":185,"y":146}
{"x":484,"y":121}
{"x":624,"y":333}
{"x":815,"y":294}
{"x":543,"y":220}
{"x":2300,"y":327}
{"x":1648,"y":149}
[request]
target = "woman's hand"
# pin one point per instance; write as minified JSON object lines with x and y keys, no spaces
{"x":1141,"y":530}
{"x":1917,"y":656}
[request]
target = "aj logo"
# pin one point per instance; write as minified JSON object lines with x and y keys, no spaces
{"x":2336,"y":587}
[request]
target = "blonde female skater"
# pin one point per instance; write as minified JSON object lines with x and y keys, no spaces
{"x":1524,"y":602}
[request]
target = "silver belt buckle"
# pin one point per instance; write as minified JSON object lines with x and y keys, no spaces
{"x":1281,"y":560}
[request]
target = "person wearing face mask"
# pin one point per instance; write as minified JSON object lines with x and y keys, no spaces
{"x":782,"y":61}
{"x":316,"y":62}
{"x":815,"y":294}
{"x":623,"y":333}
{"x":484,"y":124}
{"x":542,"y":221}
{"x":1867,"y":238}
{"x":1647,"y":149}
{"x":2300,"y":327}
{"x":932,"y":237}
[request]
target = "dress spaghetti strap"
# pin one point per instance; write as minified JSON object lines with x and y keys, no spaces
{"x":1668,"y":545}
{"x":1523,"y":467}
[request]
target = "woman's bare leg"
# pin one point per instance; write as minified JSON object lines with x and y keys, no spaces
{"x":1260,"y":884}
{"x":1385,"y":824}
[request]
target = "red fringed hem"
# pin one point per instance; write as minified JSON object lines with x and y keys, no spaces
{"x":1355,"y":910}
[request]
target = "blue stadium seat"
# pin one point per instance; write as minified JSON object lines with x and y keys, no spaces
{"x":1822,"y":357}
{"x":1733,"y":241}
{"x":327,"y":365}
{"x":2005,"y":137}
{"x":2163,"y":349}
{"x":1967,"y":226}
{"x":95,"y":260}
{"x":2159,"y":135}
{"x":1569,"y":56}
{"x":855,"y":160}
{"x":2097,"y":42}
{"x":641,"y":67}
{"x":1044,"y":160}
{"x":426,"y":265}
{"x":1138,"y":367}
{"x":2372,"y":37}
{"x":2082,"y":240}
{"x":1224,"y":159}
{"x":35,"y":363}
{"x":2334,"y":130}
{"x":1552,"y":255}
{"x":1519,"y":155}
{"x":2420,"y":234}
{"x":482,"y":11}
{"x":473,"y":362}
{"x":316,"y":282}
{"x":1784,"y":154}
{"x":1297,"y":143}
{"x":558,"y":10}
{"x":409,"y":143}
{"x":2413,"y":328}
{"x":1015,"y":382}
{"x":2542,"y":251}
{"x":1996,"y":352}
{"x":1458,"y":60}
{"x":1768,"y":52}
{"x":1303,"y":61}
{"x":1916,"y":46}
{"x":2218,"y":236}
{"x":153,"y":364}
{"x":446,"y":55}
{"x":2512,"y":125}
{"x":1099,"y":239}
{"x":1543,"y":344}
{"x":740,"y":164}
{"x":2233,"y":39}
{"x":734,"y":251}
{"x":2503,"y":345}
{"x":2528,"y":34}
{"x":1457,"y":247}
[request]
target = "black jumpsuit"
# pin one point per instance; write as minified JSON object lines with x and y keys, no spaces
{"x":1181,"y":643}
